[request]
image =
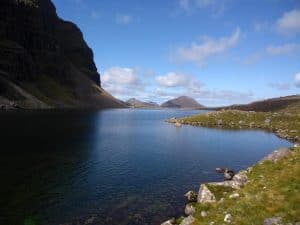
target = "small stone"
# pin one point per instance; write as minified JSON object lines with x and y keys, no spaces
{"x":187,"y":220}
{"x":177,"y":124}
{"x":227,"y":218}
{"x":204,"y":214}
{"x":234,"y":196}
{"x":221,"y":200}
{"x":189,"y":209}
{"x":272,"y":221}
{"x":212,"y":223}
{"x":169,"y":222}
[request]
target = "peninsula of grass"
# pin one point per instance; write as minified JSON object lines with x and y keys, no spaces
{"x":285,"y":122}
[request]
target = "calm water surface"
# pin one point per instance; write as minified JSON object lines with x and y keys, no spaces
{"x":113,"y":166}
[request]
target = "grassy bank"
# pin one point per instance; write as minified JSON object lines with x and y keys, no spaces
{"x":273,"y":188}
{"x":285,"y":123}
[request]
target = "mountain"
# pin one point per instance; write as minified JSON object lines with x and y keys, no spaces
{"x":133,"y":102}
{"x":182,"y":102}
{"x":266,"y":105}
{"x":44,"y":60}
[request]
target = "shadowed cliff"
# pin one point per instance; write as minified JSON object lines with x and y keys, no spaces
{"x":44,"y":61}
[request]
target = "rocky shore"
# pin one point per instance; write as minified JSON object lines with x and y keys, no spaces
{"x":256,"y":195}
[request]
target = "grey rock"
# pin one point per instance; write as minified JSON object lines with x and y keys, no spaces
{"x":187,"y":220}
{"x":273,"y":221}
{"x":189,"y":209}
{"x":205,"y":195}
{"x":191,"y":196}
{"x":234,"y":196}
{"x":169,"y":222}
{"x":276,"y":155}
{"x":228,"y":218}
{"x":204,"y":214}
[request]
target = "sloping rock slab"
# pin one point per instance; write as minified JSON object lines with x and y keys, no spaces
{"x":205,"y":195}
{"x":188,"y":220}
{"x":276,"y":155}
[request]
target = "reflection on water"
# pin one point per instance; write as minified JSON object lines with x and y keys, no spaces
{"x":112,"y":166}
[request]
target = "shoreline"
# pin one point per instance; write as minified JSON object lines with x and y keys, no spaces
{"x":207,"y":193}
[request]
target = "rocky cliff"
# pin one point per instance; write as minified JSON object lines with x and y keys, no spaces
{"x":44,"y":61}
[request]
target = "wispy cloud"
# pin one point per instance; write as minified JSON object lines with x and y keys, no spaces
{"x":289,"y":23}
{"x":286,"y":49}
{"x":199,"y":52}
{"x":280,"y":86}
{"x":123,"y":19}
{"x":216,"y":7}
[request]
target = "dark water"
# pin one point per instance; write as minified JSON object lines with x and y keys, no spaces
{"x":112,"y":166}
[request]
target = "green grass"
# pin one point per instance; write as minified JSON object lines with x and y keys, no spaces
{"x":286,"y":123}
{"x":273,"y":190}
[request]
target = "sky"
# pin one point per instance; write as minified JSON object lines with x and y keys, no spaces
{"x":219,"y":52}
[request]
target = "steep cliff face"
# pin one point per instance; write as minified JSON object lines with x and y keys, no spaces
{"x":47,"y":58}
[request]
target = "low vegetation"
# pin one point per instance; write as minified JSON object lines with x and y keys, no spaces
{"x":285,"y":122}
{"x":273,"y":188}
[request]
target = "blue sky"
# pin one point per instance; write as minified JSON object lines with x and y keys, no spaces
{"x":217,"y":51}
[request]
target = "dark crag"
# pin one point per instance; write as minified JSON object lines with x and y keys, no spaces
{"x":44,"y":61}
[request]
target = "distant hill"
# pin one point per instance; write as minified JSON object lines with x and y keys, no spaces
{"x":182,"y":102}
{"x":133,"y":102}
{"x":266,"y":105}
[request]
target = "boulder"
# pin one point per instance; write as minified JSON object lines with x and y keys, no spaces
{"x":169,"y":222}
{"x":205,"y":195}
{"x":189,"y":209}
{"x":187,"y":220}
{"x":191,"y":196}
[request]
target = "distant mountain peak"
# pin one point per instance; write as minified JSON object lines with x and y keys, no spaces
{"x":182,"y":102}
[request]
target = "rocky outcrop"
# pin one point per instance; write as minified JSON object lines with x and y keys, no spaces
{"x":189,"y":209}
{"x":188,"y":220}
{"x":205,"y":195}
{"x":38,"y":57}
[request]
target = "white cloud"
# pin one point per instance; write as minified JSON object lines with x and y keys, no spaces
{"x":285,"y":49}
{"x":121,"y":82}
{"x":174,"y":80}
{"x":289,"y":23}
{"x":198,"y":53}
{"x":297,"y":79}
{"x":123,"y":19}
{"x":119,"y":75}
